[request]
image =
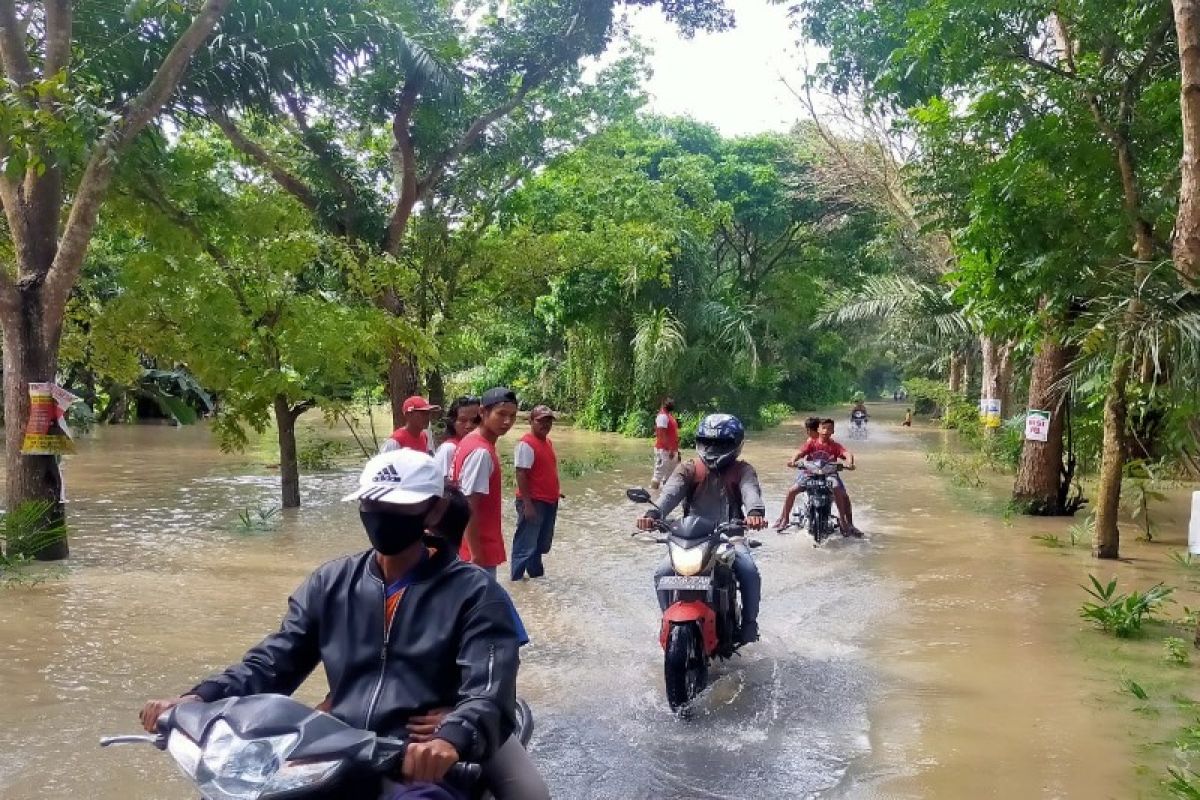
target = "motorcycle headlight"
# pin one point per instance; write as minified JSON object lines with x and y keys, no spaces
{"x":687,"y":560}
{"x":295,"y":775}
{"x":185,"y":752}
{"x":233,"y":768}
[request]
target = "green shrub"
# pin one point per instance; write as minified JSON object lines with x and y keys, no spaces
{"x":320,"y":454}
{"x":688,"y":423}
{"x":1176,"y":651}
{"x":772,"y":415}
{"x":27,"y":530}
{"x":637,"y":424}
{"x":1122,"y":614}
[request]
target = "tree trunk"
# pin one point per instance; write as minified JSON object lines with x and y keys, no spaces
{"x":989,"y":375}
{"x":1112,"y":460}
{"x":1004,"y":379}
{"x":956,"y":372}
{"x":1037,"y":486}
{"x":437,"y":388}
{"x":403,"y":382}
{"x":289,"y":464}
{"x":27,"y":359}
{"x":1187,"y":222}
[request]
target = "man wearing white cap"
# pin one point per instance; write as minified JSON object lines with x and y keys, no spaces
{"x":444,"y":628}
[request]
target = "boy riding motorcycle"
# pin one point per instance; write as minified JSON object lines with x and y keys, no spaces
{"x":718,"y":485}
{"x":448,"y":633}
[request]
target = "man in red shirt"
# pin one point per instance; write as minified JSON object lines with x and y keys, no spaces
{"x":825,"y":446}
{"x":414,"y":434}
{"x":477,"y":473}
{"x":666,"y":443}
{"x":538,"y":493}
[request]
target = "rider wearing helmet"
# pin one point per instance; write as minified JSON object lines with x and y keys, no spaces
{"x":719,"y":486}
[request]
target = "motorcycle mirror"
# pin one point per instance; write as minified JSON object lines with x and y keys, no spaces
{"x":638,"y":495}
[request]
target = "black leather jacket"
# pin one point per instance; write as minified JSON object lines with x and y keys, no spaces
{"x":452,"y":643}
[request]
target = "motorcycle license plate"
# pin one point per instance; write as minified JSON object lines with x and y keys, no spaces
{"x":682,"y":583}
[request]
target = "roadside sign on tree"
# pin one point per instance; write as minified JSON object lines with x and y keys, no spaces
{"x":989,"y":412}
{"x":1037,"y":426}
{"x":47,"y":433}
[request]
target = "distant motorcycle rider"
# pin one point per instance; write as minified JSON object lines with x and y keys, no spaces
{"x":719,"y":486}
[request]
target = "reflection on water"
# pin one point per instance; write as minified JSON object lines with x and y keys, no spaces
{"x":916,"y":663}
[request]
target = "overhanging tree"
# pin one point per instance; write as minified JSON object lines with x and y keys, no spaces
{"x":60,"y":140}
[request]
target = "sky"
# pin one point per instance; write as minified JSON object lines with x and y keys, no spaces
{"x":729,"y":79}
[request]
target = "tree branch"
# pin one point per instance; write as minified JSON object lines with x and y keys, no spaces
{"x":327,"y":160}
{"x":477,"y":129}
{"x":85,"y":210}
{"x":257,"y":153}
{"x":58,"y":36}
{"x":404,"y":165}
{"x":13,"y":55}
{"x":1131,"y":88}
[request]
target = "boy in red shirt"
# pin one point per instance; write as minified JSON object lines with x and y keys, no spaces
{"x":812,"y":431}
{"x":824,"y":445}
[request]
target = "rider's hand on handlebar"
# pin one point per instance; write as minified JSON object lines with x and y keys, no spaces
{"x":755,"y":522}
{"x":647,"y":523}
{"x":428,"y":762}
{"x":849,"y":467}
{"x":156,"y":708}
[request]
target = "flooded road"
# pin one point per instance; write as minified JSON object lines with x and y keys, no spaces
{"x":936,"y":658}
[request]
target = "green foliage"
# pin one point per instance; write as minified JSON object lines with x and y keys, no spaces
{"x":25,"y":531}
{"x":963,"y":471}
{"x":1184,"y":784}
{"x":637,"y":424}
{"x":586,"y":465}
{"x":1185,"y":560}
{"x":257,"y":520}
{"x":320,"y":455}
{"x":1121,"y":614}
{"x":1142,"y":487}
{"x":1176,"y":651}
{"x":1134,"y":688}
{"x":772,"y":415}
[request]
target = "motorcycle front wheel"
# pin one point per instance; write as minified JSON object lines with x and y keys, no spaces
{"x":684,"y":665}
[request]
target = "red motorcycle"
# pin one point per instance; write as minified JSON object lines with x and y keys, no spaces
{"x":704,"y":616}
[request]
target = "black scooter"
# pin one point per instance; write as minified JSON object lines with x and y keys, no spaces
{"x":818,"y":482}
{"x":271,"y":747}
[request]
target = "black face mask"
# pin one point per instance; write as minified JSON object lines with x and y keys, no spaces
{"x":669,"y":407}
{"x":392,"y":533}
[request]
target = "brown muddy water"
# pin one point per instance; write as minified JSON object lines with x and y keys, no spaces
{"x":940,"y":658}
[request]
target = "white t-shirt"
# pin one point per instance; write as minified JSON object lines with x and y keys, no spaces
{"x":476,"y":473}
{"x":523,"y":457}
{"x":445,"y":457}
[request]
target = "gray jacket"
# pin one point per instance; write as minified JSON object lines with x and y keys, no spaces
{"x":721,"y":496}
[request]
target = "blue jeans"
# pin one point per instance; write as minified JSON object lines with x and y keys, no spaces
{"x":748,"y":578}
{"x":533,"y":539}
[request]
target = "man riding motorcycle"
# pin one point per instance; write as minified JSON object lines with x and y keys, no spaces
{"x":401,"y":629}
{"x":718,"y":485}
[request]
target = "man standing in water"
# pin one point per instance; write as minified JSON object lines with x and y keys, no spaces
{"x":666,"y":443}
{"x":414,"y":433}
{"x":538,"y":493}
{"x":477,"y":474}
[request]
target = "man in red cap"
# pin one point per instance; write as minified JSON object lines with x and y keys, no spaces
{"x":414,"y":434}
{"x":538,"y":494}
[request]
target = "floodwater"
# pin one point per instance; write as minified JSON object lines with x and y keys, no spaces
{"x":938,"y":658}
